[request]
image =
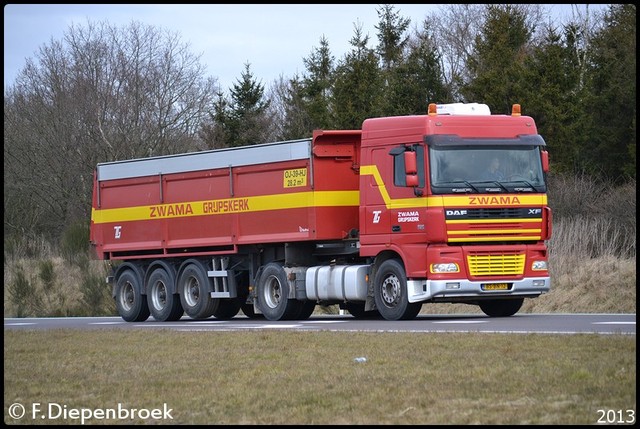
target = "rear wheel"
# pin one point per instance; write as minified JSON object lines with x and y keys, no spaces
{"x":356,"y":309}
{"x":163,"y":305}
{"x":249,"y":311}
{"x":227,"y":308}
{"x":501,"y":307}
{"x":195,"y":295}
{"x":273,"y":294}
{"x":390,"y":292}
{"x":306,"y":309}
{"x":130,"y":303}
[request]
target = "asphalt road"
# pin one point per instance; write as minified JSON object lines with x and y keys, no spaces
{"x":552,"y":323}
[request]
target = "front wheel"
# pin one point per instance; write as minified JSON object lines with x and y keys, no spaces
{"x":501,"y":307}
{"x":390,"y":292}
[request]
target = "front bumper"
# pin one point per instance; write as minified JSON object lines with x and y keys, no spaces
{"x":453,"y":290}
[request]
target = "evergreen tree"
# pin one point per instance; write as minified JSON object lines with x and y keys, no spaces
{"x":497,"y":64}
{"x":246,"y":119}
{"x":612,"y":144}
{"x":553,"y":96}
{"x":391,"y":37}
{"x":316,"y":86}
{"x":216,"y":133}
{"x":357,"y":90}
{"x":417,"y":80}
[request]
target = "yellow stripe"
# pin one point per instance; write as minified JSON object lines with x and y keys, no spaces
{"x":495,"y":220}
{"x":246,"y":205}
{"x":478,"y":239}
{"x":467,"y":200}
{"x":493,"y":231}
{"x":306,"y":199}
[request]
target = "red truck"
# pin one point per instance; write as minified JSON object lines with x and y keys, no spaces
{"x":379,"y":221}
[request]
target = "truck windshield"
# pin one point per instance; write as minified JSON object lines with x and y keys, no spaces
{"x":481,"y":169}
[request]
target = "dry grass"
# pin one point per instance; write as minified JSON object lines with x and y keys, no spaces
{"x":601,"y":285}
{"x":280,"y":377}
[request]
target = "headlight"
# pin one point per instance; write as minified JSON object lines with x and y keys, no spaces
{"x":539,"y":266}
{"x":445,"y":268}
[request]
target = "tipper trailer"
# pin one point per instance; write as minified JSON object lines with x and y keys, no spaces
{"x":378,"y":220}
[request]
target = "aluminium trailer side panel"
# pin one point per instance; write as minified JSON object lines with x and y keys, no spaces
{"x":252,"y":195}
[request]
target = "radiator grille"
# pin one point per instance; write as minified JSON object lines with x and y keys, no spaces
{"x":493,"y":265}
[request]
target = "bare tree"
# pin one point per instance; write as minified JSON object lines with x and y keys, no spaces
{"x":102,"y":93}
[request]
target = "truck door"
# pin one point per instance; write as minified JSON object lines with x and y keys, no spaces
{"x":406,"y":186}
{"x":375,"y":219}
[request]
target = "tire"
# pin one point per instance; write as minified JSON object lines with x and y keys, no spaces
{"x":501,"y":307}
{"x":273,"y":294}
{"x":390,"y":292}
{"x":195,"y":292}
{"x":227,"y":308}
{"x":305,"y":310}
{"x":356,"y":309}
{"x":163,"y":305}
{"x":248,"y":311}
{"x":130,"y":303}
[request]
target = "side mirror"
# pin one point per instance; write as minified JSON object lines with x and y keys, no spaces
{"x":411,"y":168}
{"x":544,"y":156}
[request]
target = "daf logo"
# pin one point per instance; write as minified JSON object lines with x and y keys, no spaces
{"x":456,"y":212}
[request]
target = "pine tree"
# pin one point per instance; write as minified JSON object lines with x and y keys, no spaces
{"x":357,"y":90}
{"x":246,"y":117}
{"x":497,"y":64}
{"x":391,"y":37}
{"x":316,"y":86}
{"x":612,"y":81}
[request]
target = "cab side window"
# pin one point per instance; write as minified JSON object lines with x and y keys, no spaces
{"x":399,"y":167}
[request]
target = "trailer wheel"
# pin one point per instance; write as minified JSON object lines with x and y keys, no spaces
{"x":390,"y":292}
{"x":195,"y":294}
{"x":163,"y":305}
{"x":501,"y":307}
{"x":248,"y":311}
{"x":130,"y":303}
{"x":273,"y":294}
{"x":227,"y":308}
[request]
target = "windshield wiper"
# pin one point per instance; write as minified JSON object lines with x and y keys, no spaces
{"x":461,"y":190}
{"x":495,"y":183}
{"x":525,"y":181}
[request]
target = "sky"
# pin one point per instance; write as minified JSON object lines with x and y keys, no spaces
{"x":272,"y":39}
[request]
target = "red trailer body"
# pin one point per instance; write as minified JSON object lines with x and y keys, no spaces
{"x":208,"y":203}
{"x":378,"y":220}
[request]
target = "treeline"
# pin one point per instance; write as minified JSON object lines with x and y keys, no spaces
{"x":104,"y":93}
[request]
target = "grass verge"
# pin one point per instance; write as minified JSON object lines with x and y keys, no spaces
{"x":279,"y":377}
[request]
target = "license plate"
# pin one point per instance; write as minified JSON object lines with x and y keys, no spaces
{"x":495,"y":286}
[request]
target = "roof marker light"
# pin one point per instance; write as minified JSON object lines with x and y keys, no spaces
{"x":515,"y":110}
